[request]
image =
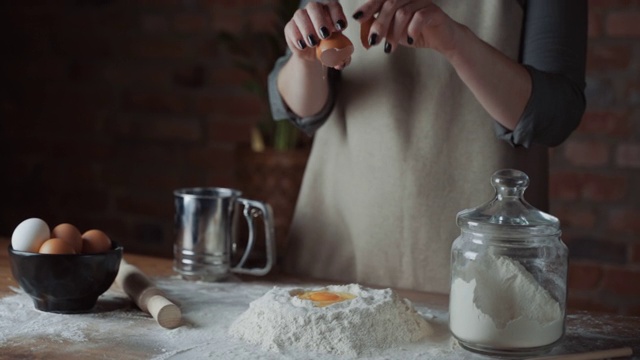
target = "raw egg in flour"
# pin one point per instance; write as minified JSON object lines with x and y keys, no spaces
{"x":322,"y":298}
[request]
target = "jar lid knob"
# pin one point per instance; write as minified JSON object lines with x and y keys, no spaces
{"x":510,"y":183}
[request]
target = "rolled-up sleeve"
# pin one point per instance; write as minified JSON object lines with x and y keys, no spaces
{"x":553,"y":52}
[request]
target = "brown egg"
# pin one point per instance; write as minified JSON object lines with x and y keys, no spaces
{"x":95,"y":241}
{"x":70,"y":234}
{"x":365,"y":27}
{"x":334,"y":50}
{"x":56,"y":246}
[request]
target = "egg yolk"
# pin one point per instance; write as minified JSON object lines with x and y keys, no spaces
{"x":324,"y":298}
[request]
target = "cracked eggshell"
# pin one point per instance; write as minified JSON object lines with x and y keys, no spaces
{"x":334,"y":50}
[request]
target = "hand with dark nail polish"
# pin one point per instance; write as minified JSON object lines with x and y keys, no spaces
{"x":311,"y":40}
{"x":373,"y":38}
{"x":340,"y":24}
{"x":358,"y":15}
{"x":409,"y":40}
{"x":324,"y":32}
{"x":387,"y":47}
{"x":301,"y":45}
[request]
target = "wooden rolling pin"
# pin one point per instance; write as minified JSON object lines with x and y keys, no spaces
{"x":147,"y":296}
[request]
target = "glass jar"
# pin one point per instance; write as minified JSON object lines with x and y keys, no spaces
{"x":508,"y":274}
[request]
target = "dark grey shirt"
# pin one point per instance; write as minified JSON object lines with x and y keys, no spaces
{"x":553,"y":50}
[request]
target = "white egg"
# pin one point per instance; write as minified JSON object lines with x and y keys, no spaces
{"x":30,"y":234}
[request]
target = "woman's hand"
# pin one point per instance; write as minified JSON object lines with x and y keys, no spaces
{"x":415,"y":23}
{"x":308,"y":26}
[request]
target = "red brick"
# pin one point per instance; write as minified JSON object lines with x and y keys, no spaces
{"x":192,"y":76}
{"x":584,"y":276}
{"x":622,"y":282}
{"x":159,"y":48}
{"x":595,"y":24}
{"x":160,"y":129}
{"x":230,"y":131}
{"x":595,"y":187}
{"x":628,"y":155}
{"x":591,"y":153}
{"x":623,"y":24}
{"x":190,"y":23}
{"x":605,"y":187}
{"x":607,"y":123}
{"x":232,"y":107}
{"x":608,"y":3}
{"x":625,"y":221}
{"x":154,"y":23}
{"x":578,"y":303}
{"x":604,"y":57}
{"x":145,"y":205}
{"x":155,"y":103}
{"x":575,"y":216}
{"x":635,"y":254}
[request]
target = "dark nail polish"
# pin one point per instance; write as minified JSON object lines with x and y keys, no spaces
{"x":358,"y":15}
{"x":324,"y":32}
{"x":409,"y":40}
{"x":311,"y":40}
{"x":301,"y":45}
{"x":340,"y":24}
{"x":372,"y":39}
{"x":387,"y":47}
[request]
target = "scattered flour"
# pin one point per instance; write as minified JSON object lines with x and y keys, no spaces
{"x":208,"y":311}
{"x":503,"y":306}
{"x":373,"y":320}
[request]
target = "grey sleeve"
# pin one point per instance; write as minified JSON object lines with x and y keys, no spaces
{"x":553,"y":51}
{"x":280,"y":110}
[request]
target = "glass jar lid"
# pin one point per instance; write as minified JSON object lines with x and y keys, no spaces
{"x":508,"y":213}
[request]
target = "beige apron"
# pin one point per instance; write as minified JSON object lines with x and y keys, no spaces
{"x":406,"y":147}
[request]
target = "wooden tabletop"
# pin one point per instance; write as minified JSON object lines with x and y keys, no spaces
{"x":585,"y":331}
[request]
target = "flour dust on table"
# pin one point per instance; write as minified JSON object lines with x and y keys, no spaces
{"x":209,"y":310}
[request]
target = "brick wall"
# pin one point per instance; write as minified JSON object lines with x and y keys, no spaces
{"x":595,"y":175}
{"x":106,"y":106}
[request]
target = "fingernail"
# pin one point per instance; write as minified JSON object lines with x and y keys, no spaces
{"x":340,"y":24}
{"x":387,"y":47}
{"x":358,"y":15}
{"x":409,"y":40}
{"x":324,"y":32}
{"x":311,"y":40}
{"x":372,"y":39}
{"x":301,"y":44}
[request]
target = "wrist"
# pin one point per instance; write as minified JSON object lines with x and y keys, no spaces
{"x":461,"y":41}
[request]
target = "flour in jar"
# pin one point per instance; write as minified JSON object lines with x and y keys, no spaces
{"x":503,"y":306}
{"x":359,"y":321}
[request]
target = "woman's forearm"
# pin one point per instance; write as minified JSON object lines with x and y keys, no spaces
{"x":303,"y":86}
{"x":500,"y":84}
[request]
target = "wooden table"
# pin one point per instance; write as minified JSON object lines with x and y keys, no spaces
{"x":603,"y":331}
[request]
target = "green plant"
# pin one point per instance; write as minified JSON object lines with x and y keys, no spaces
{"x":255,"y":51}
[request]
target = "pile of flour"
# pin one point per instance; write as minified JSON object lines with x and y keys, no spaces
{"x":503,"y":306}
{"x":373,"y":320}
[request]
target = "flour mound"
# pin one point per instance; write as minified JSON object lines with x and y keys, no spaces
{"x":375,"y":319}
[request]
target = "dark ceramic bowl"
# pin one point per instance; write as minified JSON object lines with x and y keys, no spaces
{"x":65,"y":283}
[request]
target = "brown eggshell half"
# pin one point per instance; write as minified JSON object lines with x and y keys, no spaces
{"x":334,"y":50}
